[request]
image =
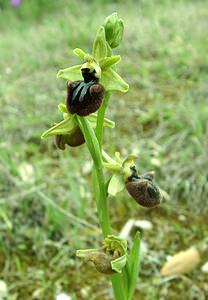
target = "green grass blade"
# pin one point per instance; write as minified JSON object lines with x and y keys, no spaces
{"x":132,"y":268}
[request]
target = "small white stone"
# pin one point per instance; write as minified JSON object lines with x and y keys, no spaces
{"x":143,"y":224}
{"x":8,"y":70}
{"x":26,"y":172}
{"x":143,"y":249}
{"x":3,"y":289}
{"x":63,"y":297}
{"x":87,"y":167}
{"x":169,"y":257}
{"x":182,"y":218}
{"x":204,"y":268}
{"x":125,"y":231}
{"x":85,"y":292}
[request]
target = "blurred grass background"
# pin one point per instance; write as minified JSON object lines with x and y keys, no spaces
{"x":47,"y":210}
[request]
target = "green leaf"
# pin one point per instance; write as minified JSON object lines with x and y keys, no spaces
{"x":72,"y":73}
{"x":64,"y":127}
{"x":132,"y":266}
{"x":113,"y":82}
{"x":79,"y":52}
{"x":116,"y":184}
{"x":107,"y":62}
{"x":99,"y":50}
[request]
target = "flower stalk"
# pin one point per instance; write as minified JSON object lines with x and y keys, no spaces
{"x":101,"y":197}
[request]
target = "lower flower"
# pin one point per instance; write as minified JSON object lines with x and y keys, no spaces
{"x":143,"y":189}
{"x":111,"y":258}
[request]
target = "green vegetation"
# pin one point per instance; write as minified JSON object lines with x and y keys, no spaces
{"x":47,"y":211}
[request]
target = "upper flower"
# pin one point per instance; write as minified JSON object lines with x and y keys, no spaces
{"x":101,"y":64}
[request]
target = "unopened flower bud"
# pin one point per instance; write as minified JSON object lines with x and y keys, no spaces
{"x":114,"y":28}
{"x":84,"y":97}
{"x":74,"y":139}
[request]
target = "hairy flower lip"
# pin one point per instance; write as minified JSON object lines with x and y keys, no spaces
{"x":84,"y":97}
{"x":74,"y":139}
{"x":145,"y":192}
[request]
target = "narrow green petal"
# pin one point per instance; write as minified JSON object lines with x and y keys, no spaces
{"x":64,"y":127}
{"x":79,"y":52}
{"x":62,"y":107}
{"x":118,"y":263}
{"x":115,"y":243}
{"x":99,"y":50}
{"x":113,"y":82}
{"x":112,"y":167}
{"x":72,"y":73}
{"x":108,"y":62}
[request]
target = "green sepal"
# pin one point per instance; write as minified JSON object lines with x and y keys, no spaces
{"x":116,"y":184}
{"x":99,"y":50}
{"x":113,"y":82}
{"x":84,"y":252}
{"x":132,"y":265}
{"x":108,"y":62}
{"x":106,"y":123}
{"x":72,"y":73}
{"x":79,"y":52}
{"x":63,"y":127}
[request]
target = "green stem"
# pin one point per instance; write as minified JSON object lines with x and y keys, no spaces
{"x":94,"y":144}
{"x":118,"y":287}
{"x":101,"y":197}
{"x":100,"y":118}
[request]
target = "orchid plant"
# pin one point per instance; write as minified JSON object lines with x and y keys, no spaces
{"x":89,"y":87}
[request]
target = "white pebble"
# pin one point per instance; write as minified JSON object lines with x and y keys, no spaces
{"x":3,"y":289}
{"x":63,"y":297}
{"x":204,"y":268}
{"x":143,"y":224}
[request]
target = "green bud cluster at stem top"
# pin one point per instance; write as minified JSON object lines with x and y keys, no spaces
{"x":114,"y":28}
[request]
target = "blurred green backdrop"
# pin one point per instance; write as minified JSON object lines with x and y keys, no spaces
{"x":47,"y":211}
